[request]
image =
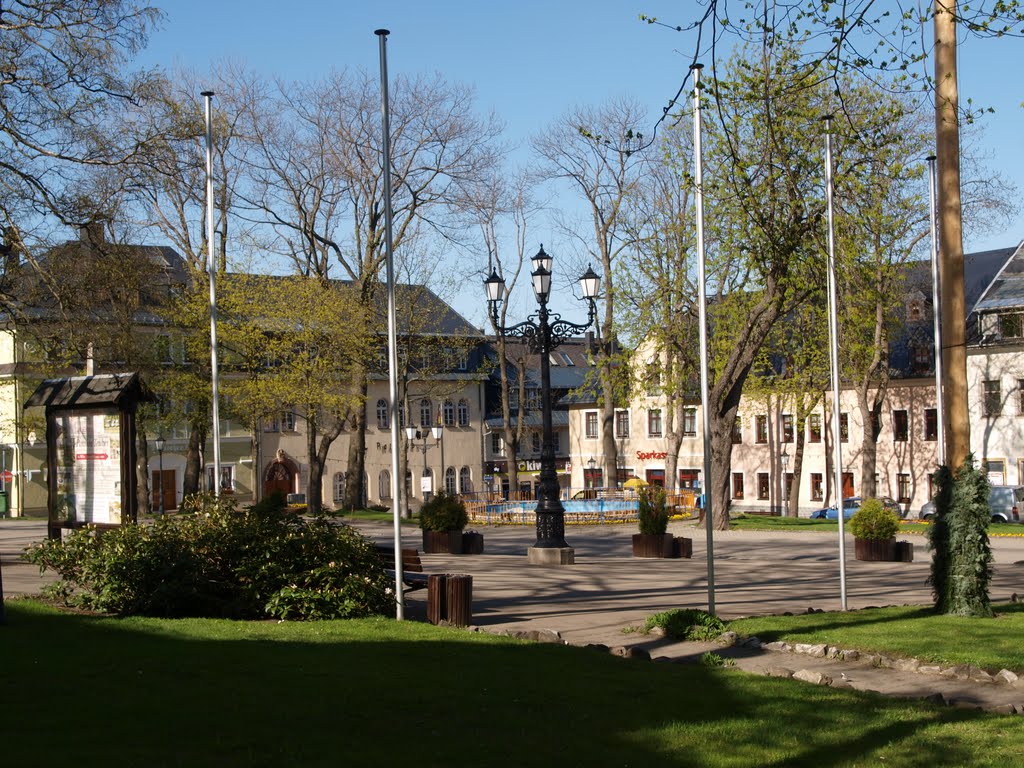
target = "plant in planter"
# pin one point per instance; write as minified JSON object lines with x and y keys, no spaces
{"x":442,"y":520}
{"x":874,"y":529}
{"x":652,"y":516}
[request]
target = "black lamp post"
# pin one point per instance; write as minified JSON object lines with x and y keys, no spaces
{"x":543,"y":332}
{"x":160,"y":452}
{"x":414,"y":434}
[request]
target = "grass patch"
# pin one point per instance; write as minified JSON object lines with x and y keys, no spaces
{"x":96,"y":691}
{"x":768,"y":523}
{"x":909,"y":631}
{"x":374,"y":515}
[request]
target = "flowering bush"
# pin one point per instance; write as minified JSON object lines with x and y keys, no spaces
{"x":219,"y":561}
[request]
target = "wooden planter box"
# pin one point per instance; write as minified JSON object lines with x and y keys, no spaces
{"x":472,"y":543}
{"x":653,"y":545}
{"x":872,"y":550}
{"x":442,"y":542}
{"x":682,"y":547}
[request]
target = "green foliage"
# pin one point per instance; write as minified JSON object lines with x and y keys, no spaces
{"x":686,"y":624}
{"x":958,"y":537}
{"x":443,"y":513}
{"x":652,"y":514}
{"x":874,"y":522}
{"x":712,"y":659}
{"x":217,"y":561}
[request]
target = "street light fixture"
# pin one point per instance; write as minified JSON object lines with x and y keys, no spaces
{"x":784,"y":460}
{"x":414,"y":434}
{"x":160,"y":452}
{"x":543,"y":332}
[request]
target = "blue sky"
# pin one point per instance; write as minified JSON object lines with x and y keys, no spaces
{"x":529,"y":60}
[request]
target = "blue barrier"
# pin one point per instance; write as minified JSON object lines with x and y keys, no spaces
{"x":588,"y":510}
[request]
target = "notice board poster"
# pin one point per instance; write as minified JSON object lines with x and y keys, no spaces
{"x":89,"y":466}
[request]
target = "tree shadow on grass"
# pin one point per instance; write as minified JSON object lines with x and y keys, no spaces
{"x":97,"y":691}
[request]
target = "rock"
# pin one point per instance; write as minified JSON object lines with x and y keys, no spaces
{"x":1003,"y":709}
{"x":833,"y":652}
{"x":930,"y":669}
{"x":841,"y":684}
{"x":778,"y":672}
{"x":538,"y":635}
{"x":752,"y":642}
{"x":906,"y":665}
{"x":1006,"y":677}
{"x":958,"y":672}
{"x":977,"y":675}
{"x":727,"y":638}
{"x":849,"y":655}
{"x":630,"y":653}
{"x":777,"y":645}
{"x":657,"y":631}
{"x":810,"y":676}
{"x":936,"y":698}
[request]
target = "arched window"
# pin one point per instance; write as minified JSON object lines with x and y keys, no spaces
{"x":384,"y":484}
{"x":425,"y":413}
{"x":339,"y":487}
{"x":463,"y":413}
{"x":449,"y":413}
{"x":465,"y":481}
{"x":449,"y":481}
{"x":383,"y":421}
{"x":408,"y":483}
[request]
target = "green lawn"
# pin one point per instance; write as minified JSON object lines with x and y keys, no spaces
{"x":907,"y":527}
{"x":909,"y":631}
{"x":88,"y":691}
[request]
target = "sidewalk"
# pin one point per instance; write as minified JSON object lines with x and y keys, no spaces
{"x":607,"y":590}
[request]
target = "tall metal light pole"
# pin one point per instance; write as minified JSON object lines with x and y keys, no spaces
{"x":212,"y":267}
{"x":160,"y":452}
{"x":413,"y":434}
{"x":833,"y":330}
{"x":544,"y":332}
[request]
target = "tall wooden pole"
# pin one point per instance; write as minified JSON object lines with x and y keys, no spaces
{"x":951,"y":244}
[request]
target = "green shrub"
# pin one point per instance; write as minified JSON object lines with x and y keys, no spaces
{"x":652,"y":513}
{"x":874,"y":522}
{"x":961,"y":569}
{"x":443,"y":513}
{"x":686,"y":624}
{"x":216,"y":561}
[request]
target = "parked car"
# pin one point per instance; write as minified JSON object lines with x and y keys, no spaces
{"x":852,"y":503}
{"x":1004,"y":503}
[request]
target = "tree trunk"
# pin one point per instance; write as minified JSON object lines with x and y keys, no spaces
{"x":951,"y":256}
{"x":142,"y":493}
{"x":355,"y":492}
{"x":869,"y":411}
{"x":192,"y":477}
{"x":314,"y":483}
{"x":793,"y":491}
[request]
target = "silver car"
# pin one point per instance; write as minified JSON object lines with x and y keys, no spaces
{"x":1004,"y":502}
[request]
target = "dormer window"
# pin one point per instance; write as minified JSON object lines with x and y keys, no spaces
{"x":915,"y":307}
{"x":1011,"y":325}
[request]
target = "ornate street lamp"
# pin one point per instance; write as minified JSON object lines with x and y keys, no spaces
{"x":160,"y":452}
{"x":543,"y":332}
{"x":414,"y":434}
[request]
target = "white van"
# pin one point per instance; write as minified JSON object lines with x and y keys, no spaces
{"x":1004,"y":502}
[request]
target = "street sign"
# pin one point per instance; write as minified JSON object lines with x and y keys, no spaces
{"x":7,"y":475}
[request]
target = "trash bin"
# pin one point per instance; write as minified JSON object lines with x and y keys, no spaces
{"x":3,"y":503}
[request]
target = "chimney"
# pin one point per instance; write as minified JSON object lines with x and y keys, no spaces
{"x":92,"y":233}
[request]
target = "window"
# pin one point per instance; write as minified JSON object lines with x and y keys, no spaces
{"x":535,"y":441}
{"x":1010,"y":325}
{"x":761,"y":429}
{"x":844,"y":427}
{"x":921,"y":358}
{"x":915,"y":310}
{"x":338,"y":485}
{"x":689,"y":422}
{"x":622,"y":423}
{"x":227,"y":478}
{"x":762,"y":485}
{"x":384,"y":484}
{"x":931,"y":424}
{"x":383,"y":415}
{"x":814,"y":428}
{"x":653,"y":376}
{"x":903,"y":488}
{"x":449,"y":481}
{"x":449,"y":413}
{"x":462,"y":360}
{"x":737,"y":485}
{"x":426,"y":412}
{"x":590,"y":425}
{"x":271,"y":424}
{"x":900,"y":426}
{"x":991,"y":398}
{"x":1020,"y":397}
{"x":654,"y":422}
{"x":288,"y":421}
{"x":737,"y":431}
{"x":787,"y":428}
{"x":465,"y":481}
{"x":996,"y":471}
{"x":817,"y":493}
{"x":463,"y":413}
{"x":496,"y":444}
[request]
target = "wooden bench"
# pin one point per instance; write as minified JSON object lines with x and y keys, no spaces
{"x":413,"y":576}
